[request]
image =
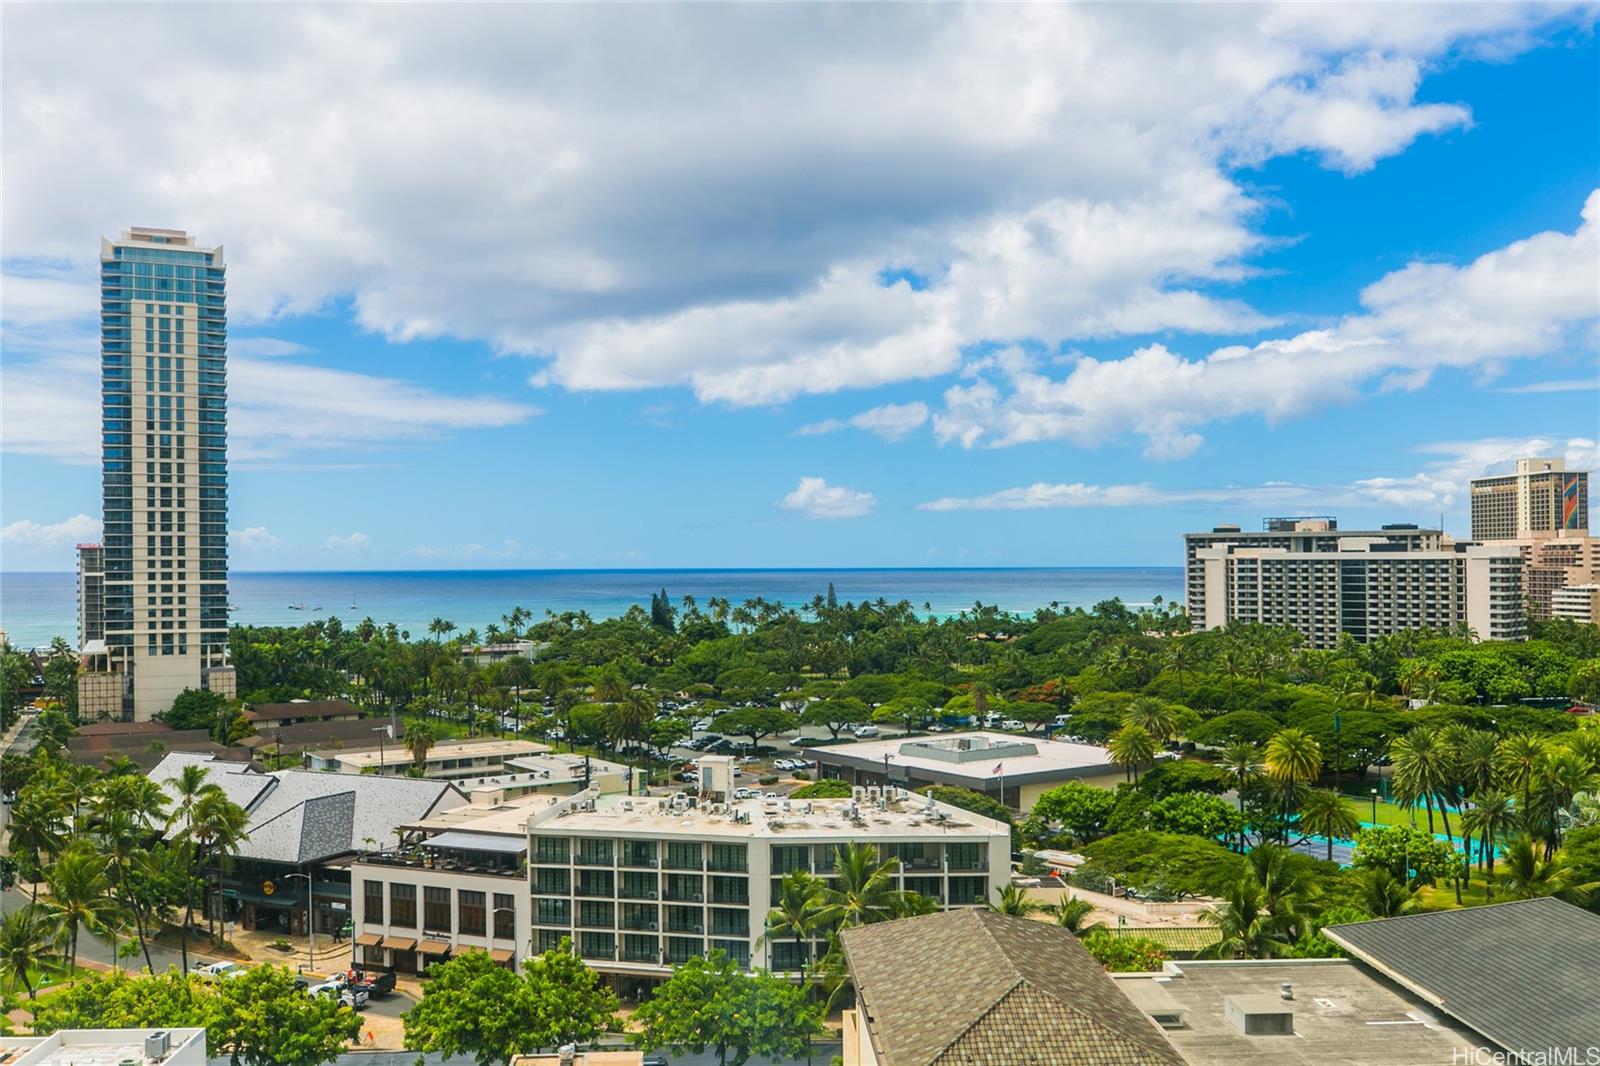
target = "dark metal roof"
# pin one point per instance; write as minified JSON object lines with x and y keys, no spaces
{"x":1524,"y":974}
{"x":974,"y":987}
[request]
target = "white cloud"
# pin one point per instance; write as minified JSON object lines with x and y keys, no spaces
{"x":1569,"y":385}
{"x":891,"y":421}
{"x":254,"y":539}
{"x":1530,"y":298}
{"x":1439,"y":487}
{"x":718,"y":218}
{"x":265,"y":347}
{"x":354,"y":542}
{"x":815,"y":498}
{"x":79,"y":529}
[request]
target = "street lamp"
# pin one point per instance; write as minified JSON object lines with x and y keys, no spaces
{"x":311,"y":918}
{"x":1374,"y":806}
{"x":384,"y":733}
{"x":492,"y":937}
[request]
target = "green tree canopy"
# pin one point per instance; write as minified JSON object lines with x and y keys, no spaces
{"x":709,"y":1003}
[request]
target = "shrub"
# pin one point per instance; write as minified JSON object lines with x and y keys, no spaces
{"x":1125,"y":954}
{"x":767,"y":779}
{"x":827,"y":788}
{"x":800,"y":775}
{"x":282,"y":944}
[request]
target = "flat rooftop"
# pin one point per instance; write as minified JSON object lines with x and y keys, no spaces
{"x":1343,"y":1012}
{"x":101,"y":1047}
{"x":456,"y":749}
{"x":973,"y":755}
{"x":509,"y":818}
{"x":905,"y":815}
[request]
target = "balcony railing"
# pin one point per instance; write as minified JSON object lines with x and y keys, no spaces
{"x":443,"y":860}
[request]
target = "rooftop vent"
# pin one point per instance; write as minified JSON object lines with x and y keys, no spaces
{"x":157,"y":1044}
{"x":1259,"y":1015}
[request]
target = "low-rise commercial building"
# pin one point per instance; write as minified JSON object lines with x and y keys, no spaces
{"x":1364,"y":586}
{"x":295,"y":711}
{"x":640,"y":885}
{"x":1012,"y":769}
{"x":448,"y":761}
{"x":456,"y":880}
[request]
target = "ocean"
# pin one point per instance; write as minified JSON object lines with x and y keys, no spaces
{"x":34,"y":607}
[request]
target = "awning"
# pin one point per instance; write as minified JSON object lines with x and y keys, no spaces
{"x":433,"y":947}
{"x":500,"y":955}
{"x":466,"y":841}
{"x":369,"y":940}
{"x":399,"y":943}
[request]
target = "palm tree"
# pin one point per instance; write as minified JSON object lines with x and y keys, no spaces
{"x":1564,"y":775}
{"x":1070,"y":914}
{"x":1386,"y":896}
{"x":80,"y":895}
{"x":796,"y":914}
{"x":190,"y":787}
{"x":1527,"y":874}
{"x":1153,"y":716}
{"x":419,"y":740}
{"x":38,"y":829}
{"x":1013,"y":901}
{"x":865,"y":891}
{"x":1517,"y":761}
{"x":1324,"y":813}
{"x":1130,"y":748}
{"x":28,"y":936}
{"x":219,"y":828}
{"x":1492,"y":815}
{"x":1243,"y":763}
{"x":1248,"y":929}
{"x":1293,"y":758}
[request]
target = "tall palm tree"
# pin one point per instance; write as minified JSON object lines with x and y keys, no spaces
{"x":28,"y":936}
{"x":797,"y":914}
{"x":1324,"y":813}
{"x":419,"y":740}
{"x":1492,"y":815}
{"x":1153,"y":716}
{"x":1248,"y":929}
{"x":1565,"y":774}
{"x":865,"y":891}
{"x":1517,"y":761}
{"x":1130,"y":748}
{"x":80,"y":896}
{"x":1422,"y":771}
{"x":38,"y":829}
{"x":218,"y":830}
{"x":1243,"y":763}
{"x":1293,"y":758}
{"x":1013,"y":901}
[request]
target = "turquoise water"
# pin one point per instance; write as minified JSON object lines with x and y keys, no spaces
{"x":34,"y":607}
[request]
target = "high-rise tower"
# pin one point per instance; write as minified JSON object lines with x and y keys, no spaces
{"x":1541,"y":497}
{"x":163,"y":317}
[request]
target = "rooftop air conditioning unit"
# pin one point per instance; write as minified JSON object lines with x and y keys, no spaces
{"x":157,"y":1044}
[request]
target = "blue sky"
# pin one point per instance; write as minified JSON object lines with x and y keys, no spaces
{"x":817,"y":286}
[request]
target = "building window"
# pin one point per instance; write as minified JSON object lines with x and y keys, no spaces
{"x":549,"y":882}
{"x":435,"y":909}
{"x":592,"y":852}
{"x":403,"y":906}
{"x":685,"y":920}
{"x":730,"y":857}
{"x":682,"y":949}
{"x":730,"y":890}
{"x":470,"y":909}
{"x":597,"y":945}
{"x":595,"y":914}
{"x":965,"y":857}
{"x":372,"y":892}
{"x":552,"y":912}
{"x":966,"y":891}
{"x":639,"y":853}
{"x":738,"y":950}
{"x":550,"y":940}
{"x":729,"y":921}
{"x":551,"y":849}
{"x":505,"y":916}
{"x":596,"y":883}
{"x":683,"y":856}
{"x":789,"y":857}
{"x":637,"y":948}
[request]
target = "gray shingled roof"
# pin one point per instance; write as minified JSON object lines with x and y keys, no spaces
{"x":1526,"y":974}
{"x":299,"y":816}
{"x":977,"y":987}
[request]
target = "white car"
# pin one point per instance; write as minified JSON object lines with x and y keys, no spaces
{"x":221,"y":969}
{"x":743,"y":793}
{"x":863,"y":731}
{"x":355,"y":998}
{"x":1012,"y":723}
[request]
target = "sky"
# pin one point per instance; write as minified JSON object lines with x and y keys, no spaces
{"x":813,"y":285}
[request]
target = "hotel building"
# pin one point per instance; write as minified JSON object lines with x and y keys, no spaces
{"x":1363,"y":585}
{"x":164,"y":475}
{"x":1315,"y":534}
{"x":91,"y":593}
{"x":1577,"y":603}
{"x":640,"y":885}
{"x":1541,"y":496}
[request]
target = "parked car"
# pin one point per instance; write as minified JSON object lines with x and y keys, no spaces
{"x":654,"y":1060}
{"x":863,"y":731}
{"x":1011,"y":723}
{"x":221,"y":969}
{"x":355,"y":998}
{"x":742,"y":793}
{"x":938,"y":727}
{"x":379,"y":983}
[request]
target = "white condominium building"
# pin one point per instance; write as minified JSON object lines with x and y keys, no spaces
{"x":1365,"y":586}
{"x":640,"y":885}
{"x":1577,"y":603}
